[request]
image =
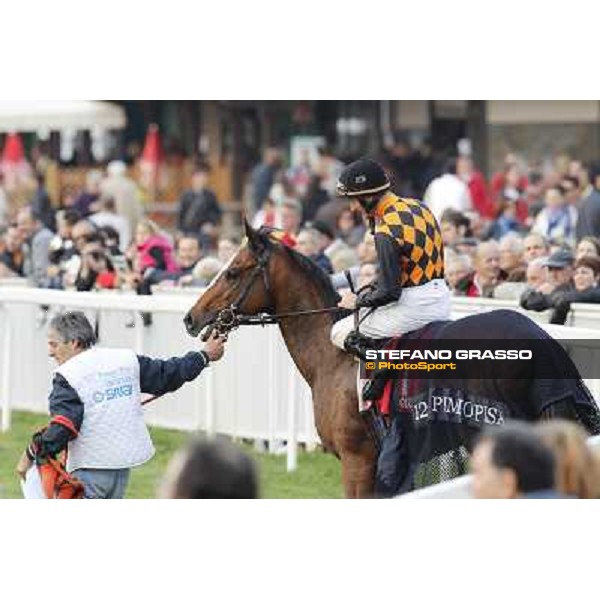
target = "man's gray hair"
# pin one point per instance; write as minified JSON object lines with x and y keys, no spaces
{"x":74,"y":327}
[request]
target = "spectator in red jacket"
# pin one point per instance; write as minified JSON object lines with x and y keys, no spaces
{"x":475,"y":181}
{"x":510,"y":183}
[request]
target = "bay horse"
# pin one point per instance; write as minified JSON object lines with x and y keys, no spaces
{"x":268,"y":282}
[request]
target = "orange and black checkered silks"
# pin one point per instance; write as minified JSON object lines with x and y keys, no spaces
{"x":412,"y":225}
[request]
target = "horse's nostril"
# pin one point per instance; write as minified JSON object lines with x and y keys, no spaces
{"x":188,"y":321}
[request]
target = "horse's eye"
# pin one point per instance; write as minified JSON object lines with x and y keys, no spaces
{"x":232,"y":274}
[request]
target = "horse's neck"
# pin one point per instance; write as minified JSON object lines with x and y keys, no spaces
{"x":307,"y":337}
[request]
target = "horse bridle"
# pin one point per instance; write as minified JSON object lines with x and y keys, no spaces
{"x":228,"y":319}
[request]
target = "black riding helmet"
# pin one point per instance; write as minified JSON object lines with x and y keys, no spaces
{"x":361,"y":179}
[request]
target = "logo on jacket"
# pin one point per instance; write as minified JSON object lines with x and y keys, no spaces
{"x":112,"y":393}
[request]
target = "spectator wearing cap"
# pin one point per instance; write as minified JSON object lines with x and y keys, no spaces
{"x":588,"y":219}
{"x":550,"y":294}
{"x":511,"y":462}
{"x":557,"y":220}
{"x":37,"y":239}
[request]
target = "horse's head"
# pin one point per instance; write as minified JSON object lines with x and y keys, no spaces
{"x":242,"y":284}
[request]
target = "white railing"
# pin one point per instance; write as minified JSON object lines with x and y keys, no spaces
{"x":255,"y":392}
{"x":460,"y":487}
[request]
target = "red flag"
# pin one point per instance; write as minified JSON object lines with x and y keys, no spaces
{"x":152,"y":154}
{"x":13,"y":151}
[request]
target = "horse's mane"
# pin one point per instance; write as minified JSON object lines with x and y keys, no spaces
{"x":321,"y":279}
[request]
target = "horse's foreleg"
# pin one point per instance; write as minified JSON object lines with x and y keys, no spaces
{"x":358,"y":474}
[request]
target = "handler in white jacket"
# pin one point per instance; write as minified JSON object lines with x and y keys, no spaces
{"x":95,"y":404}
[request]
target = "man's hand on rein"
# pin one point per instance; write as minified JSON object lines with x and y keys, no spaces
{"x":348,"y":301}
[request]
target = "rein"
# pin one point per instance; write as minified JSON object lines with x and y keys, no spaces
{"x":228,"y":319}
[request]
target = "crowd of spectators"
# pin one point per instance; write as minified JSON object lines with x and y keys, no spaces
{"x":100,"y":238}
{"x":530,"y":234}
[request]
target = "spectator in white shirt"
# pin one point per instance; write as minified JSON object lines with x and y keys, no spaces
{"x":447,"y":192}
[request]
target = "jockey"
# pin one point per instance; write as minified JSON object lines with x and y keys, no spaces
{"x":410,"y":291}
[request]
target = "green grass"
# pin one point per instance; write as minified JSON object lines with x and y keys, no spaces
{"x":317,"y":475}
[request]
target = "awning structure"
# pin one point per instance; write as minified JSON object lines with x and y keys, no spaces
{"x":38,"y":115}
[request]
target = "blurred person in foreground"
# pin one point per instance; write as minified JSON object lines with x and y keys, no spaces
{"x":210,"y":469}
{"x":577,"y":467}
{"x":511,"y":462}
{"x":95,"y":405}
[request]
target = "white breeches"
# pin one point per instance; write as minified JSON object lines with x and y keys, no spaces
{"x":416,"y":307}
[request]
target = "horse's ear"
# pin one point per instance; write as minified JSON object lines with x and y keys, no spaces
{"x":255,"y":239}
